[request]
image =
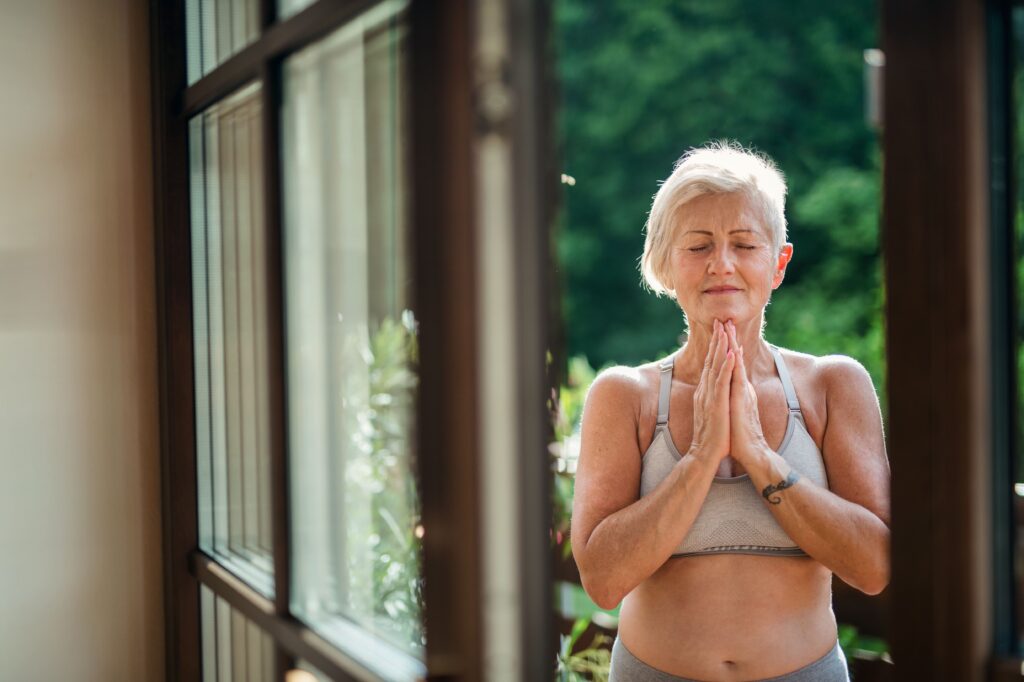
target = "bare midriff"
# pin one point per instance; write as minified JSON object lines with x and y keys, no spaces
{"x":731,"y":616}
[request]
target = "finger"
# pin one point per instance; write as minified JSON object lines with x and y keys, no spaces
{"x":733,"y":343}
{"x":743,"y":368}
{"x":709,"y":356}
{"x":726,"y":372}
{"x":737,"y":374}
{"x":714,"y":349}
{"x":723,"y":345}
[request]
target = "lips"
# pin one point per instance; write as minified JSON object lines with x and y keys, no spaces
{"x":721,"y":290}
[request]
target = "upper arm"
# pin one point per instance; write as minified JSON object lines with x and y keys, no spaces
{"x":608,"y":470}
{"x":853,"y":446}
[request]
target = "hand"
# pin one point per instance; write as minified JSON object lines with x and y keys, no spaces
{"x":711,"y":431}
{"x":746,"y":436}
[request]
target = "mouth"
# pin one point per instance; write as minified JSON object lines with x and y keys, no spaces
{"x":721,"y":290}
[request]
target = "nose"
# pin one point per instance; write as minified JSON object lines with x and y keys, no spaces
{"x":720,"y":262}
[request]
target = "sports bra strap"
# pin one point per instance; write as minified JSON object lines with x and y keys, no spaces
{"x":665,"y":366}
{"x":787,"y":383}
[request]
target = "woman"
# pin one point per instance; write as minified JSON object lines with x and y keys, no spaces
{"x":718,"y":490}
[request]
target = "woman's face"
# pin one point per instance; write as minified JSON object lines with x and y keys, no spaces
{"x":722,"y":262}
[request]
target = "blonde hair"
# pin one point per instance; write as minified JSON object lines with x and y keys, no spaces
{"x":721,"y":167}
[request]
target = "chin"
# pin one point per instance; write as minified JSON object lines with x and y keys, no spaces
{"x":738,"y":316}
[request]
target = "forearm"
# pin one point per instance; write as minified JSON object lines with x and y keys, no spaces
{"x":845,"y":537}
{"x":631,"y":544}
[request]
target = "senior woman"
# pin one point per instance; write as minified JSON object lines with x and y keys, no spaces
{"x":719,"y":489}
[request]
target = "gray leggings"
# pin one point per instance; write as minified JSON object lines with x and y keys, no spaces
{"x":628,"y":668}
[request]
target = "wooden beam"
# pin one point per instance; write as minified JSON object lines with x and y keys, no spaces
{"x":444,"y":300}
{"x":936,"y":251}
{"x":174,"y":319}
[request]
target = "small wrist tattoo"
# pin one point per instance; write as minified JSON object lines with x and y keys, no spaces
{"x":781,"y":485}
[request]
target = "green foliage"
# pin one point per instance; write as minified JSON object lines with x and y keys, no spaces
{"x":591,"y":663}
{"x":856,"y":645}
{"x":567,"y":414}
{"x":386,"y":438}
{"x":643,"y":82}
{"x":574,"y":603}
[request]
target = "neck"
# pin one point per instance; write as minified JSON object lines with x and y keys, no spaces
{"x":756,"y":355}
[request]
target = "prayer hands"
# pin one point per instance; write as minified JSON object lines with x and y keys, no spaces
{"x":711,"y":400}
{"x":726,"y":422}
{"x":746,"y":435}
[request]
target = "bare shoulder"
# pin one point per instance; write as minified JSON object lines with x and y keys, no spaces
{"x":618,"y":378}
{"x":622,"y":389}
{"x":829,"y":375}
{"x":844,"y":379}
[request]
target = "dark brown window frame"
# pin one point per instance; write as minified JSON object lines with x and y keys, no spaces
{"x":445,"y":127}
{"x":945,"y":237}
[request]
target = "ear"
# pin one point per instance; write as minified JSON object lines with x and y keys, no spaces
{"x":785,"y":255}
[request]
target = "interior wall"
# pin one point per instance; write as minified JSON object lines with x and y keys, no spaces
{"x":80,"y":583}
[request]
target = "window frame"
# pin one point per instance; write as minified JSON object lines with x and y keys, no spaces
{"x":445,"y":47}
{"x":948,"y":317}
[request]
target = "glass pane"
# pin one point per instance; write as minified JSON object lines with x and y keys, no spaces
{"x":233,"y":647}
{"x":286,"y":8}
{"x":351,"y":339}
{"x":215,"y":30}
{"x":230,"y":327}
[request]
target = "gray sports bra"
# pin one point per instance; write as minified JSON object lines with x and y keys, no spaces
{"x":734,"y":517}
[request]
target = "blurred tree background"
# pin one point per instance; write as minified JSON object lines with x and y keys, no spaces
{"x":643,"y":82}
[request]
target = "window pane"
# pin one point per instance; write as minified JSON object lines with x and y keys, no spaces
{"x":351,"y":339}
{"x":234,"y":648}
{"x":230,"y":327}
{"x":286,"y":8}
{"x":215,"y":30}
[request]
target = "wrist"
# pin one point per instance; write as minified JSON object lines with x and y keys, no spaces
{"x":703,"y":459}
{"x":769,"y":464}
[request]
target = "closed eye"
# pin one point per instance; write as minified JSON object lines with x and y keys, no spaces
{"x":746,"y":247}
{"x":697,"y":249}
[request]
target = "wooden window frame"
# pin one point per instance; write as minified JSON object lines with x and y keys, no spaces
{"x":948,"y":248}
{"x":450,"y":119}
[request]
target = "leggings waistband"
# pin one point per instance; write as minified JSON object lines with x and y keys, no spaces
{"x":626,"y":667}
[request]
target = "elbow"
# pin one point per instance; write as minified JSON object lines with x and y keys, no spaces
{"x":600,"y":590}
{"x":877,"y":579}
{"x":606,"y":598}
{"x":870,"y":584}
{"x":881,"y":580}
{"x":875,"y":585}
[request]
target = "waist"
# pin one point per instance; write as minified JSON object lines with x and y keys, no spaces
{"x":712,"y":617}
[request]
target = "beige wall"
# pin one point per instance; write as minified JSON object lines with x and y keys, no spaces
{"x":80,"y":586}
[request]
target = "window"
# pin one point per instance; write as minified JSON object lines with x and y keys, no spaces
{"x":351,"y":335}
{"x":229,"y":282}
{"x":325,"y":357}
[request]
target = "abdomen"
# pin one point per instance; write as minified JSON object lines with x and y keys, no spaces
{"x":730,"y":616}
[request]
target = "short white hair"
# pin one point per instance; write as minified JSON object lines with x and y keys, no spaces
{"x":720,"y":167}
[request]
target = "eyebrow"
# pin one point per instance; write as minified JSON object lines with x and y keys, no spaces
{"x":710,"y":234}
